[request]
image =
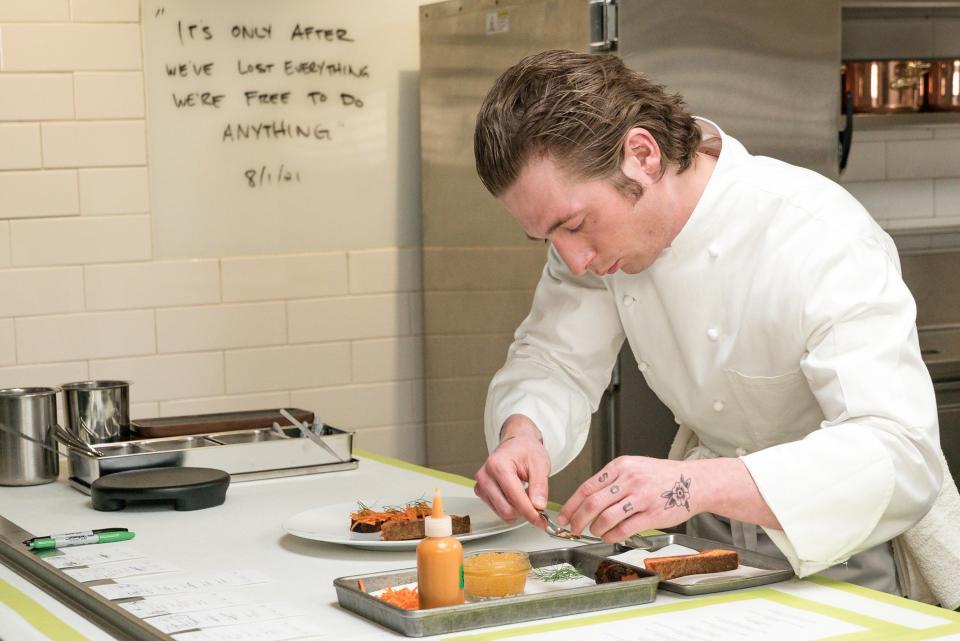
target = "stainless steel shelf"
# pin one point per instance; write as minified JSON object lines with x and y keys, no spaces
{"x":868,"y":122}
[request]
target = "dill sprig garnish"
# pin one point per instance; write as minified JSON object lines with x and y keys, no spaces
{"x":557,"y":574}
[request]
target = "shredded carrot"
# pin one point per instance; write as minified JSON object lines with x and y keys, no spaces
{"x":406,"y":598}
{"x":410,"y":512}
{"x":361,"y":586}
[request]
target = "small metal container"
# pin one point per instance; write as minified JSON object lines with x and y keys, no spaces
{"x":28,"y":416}
{"x":97,"y":411}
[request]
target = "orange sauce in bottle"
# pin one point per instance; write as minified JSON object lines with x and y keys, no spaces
{"x":439,"y":561}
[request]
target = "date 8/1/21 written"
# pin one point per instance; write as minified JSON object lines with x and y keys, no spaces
{"x":267,"y":175}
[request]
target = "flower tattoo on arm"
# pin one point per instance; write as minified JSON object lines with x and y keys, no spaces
{"x":679,"y":495}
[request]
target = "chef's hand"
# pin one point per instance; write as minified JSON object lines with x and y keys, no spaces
{"x":520,"y":457}
{"x":635,"y":493}
{"x":631,"y":494}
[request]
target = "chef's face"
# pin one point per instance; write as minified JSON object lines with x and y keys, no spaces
{"x":592,"y":225}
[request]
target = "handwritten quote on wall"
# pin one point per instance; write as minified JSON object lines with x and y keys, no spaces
{"x":271,"y":114}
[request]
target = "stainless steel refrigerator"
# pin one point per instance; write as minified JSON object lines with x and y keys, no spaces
{"x":766,"y":71}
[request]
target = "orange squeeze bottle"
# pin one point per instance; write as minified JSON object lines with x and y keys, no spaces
{"x":439,"y":560}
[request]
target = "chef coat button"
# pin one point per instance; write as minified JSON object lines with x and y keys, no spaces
{"x":628,"y":300}
{"x":741,"y":452}
{"x":643,"y":366}
{"x":713,"y":333}
{"x":718,"y":406}
{"x":714,"y":251}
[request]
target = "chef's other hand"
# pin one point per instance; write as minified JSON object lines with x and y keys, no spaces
{"x":520,"y":457}
{"x":631,"y":494}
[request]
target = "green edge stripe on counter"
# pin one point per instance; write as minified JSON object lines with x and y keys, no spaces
{"x":36,"y":615}
{"x":876,"y":595}
{"x":446,"y":476}
{"x":876,"y":629}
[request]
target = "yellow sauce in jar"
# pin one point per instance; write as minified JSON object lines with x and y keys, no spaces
{"x":495,"y":574}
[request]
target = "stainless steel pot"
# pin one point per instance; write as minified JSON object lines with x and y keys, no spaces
{"x":97,"y":411}
{"x":943,"y":85}
{"x":28,"y":448}
{"x":886,"y":86}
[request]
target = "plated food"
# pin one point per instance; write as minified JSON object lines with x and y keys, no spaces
{"x":331,"y":523}
{"x":671,"y":567}
{"x":400,"y":522}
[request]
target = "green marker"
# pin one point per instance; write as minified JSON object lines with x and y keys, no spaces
{"x":109,"y":535}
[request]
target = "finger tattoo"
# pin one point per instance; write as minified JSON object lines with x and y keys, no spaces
{"x":603,"y":477}
{"x":627,"y":507}
{"x":614,"y":489}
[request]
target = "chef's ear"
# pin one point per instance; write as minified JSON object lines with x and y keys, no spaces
{"x":641,"y":156}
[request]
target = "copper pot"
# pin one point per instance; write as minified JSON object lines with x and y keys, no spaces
{"x":943,"y":85}
{"x":886,"y":86}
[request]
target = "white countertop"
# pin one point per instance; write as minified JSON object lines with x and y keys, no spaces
{"x":246,"y":533}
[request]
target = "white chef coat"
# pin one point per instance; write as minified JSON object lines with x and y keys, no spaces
{"x":778,"y":329}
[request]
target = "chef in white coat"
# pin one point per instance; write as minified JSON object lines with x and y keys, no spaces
{"x":764,"y":307}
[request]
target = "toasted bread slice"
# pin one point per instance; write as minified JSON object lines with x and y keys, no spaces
{"x":671,"y":567}
{"x":409,"y":530}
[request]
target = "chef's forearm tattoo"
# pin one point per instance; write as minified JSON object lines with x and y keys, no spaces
{"x":614,"y":489}
{"x":678,"y":495}
{"x":627,"y":507}
{"x":602,"y":478}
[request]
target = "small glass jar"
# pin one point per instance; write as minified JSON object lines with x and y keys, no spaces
{"x":494,"y":574}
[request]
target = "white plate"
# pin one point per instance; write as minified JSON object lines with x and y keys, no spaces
{"x":331,"y":523}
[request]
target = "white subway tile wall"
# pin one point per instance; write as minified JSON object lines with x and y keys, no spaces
{"x":8,"y":343}
{"x":66,"y":241}
{"x":4,"y":244}
{"x":114,"y":190}
{"x":161,"y":378}
{"x":30,"y":194}
{"x":158,"y":284}
{"x":214,"y":404}
{"x":46,"y":375}
{"x":908,"y":178}
{"x":289,"y":367}
{"x":283,"y":277}
{"x":47,"y":290}
{"x":34,"y":10}
{"x":44,"y":339}
{"x":94,"y":144}
{"x":109,"y":94}
{"x":105,"y":10}
{"x":69,"y":47}
{"x":191,"y":329}
{"x":20,"y":146}
{"x":35,"y":96}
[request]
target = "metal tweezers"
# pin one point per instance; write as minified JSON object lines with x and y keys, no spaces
{"x":636,"y":541}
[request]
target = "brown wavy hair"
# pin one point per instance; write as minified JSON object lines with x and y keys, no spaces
{"x":577,"y":108}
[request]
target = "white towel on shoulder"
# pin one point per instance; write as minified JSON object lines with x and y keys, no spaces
{"x":928,"y":554}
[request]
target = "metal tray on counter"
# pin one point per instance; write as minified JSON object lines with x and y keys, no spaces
{"x":246,"y":454}
{"x":479,"y":614}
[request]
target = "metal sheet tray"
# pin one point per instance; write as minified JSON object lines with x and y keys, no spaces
{"x":245,"y":455}
{"x":478,"y":614}
{"x":777,"y":569}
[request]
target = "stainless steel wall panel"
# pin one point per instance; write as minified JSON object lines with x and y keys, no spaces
{"x":766,"y":71}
